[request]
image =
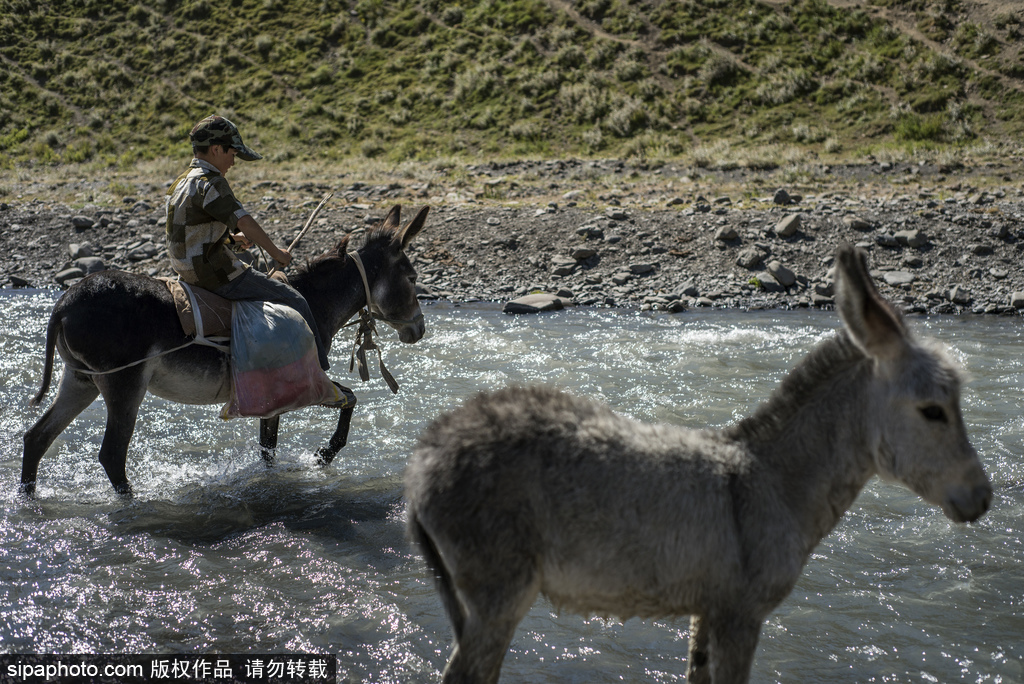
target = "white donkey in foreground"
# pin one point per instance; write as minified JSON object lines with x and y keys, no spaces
{"x":528,"y":491}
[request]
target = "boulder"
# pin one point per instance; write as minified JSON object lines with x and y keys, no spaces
{"x":536,"y":303}
{"x":959,"y":295}
{"x":788,"y":226}
{"x":752,"y":257}
{"x":77,"y":251}
{"x":641,"y":269}
{"x":911,"y":238}
{"x":726,"y":234}
{"x":144,"y":251}
{"x":782,"y":275}
{"x":1017,"y":300}
{"x":898,"y":278}
{"x":583,"y":253}
{"x":857,"y":223}
{"x":562,"y":265}
{"x":90,"y":265}
{"x":82,"y":222}
{"x":69,"y":274}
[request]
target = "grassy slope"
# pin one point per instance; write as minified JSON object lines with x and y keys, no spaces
{"x":102,"y":82}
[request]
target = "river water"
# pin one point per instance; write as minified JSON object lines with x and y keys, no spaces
{"x":220,"y":554}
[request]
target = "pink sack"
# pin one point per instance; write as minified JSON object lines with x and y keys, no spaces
{"x":274,"y":364}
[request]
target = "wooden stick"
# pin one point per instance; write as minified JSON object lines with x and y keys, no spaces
{"x":302,"y":232}
{"x":309,"y":222}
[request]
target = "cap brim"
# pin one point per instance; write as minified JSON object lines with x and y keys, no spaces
{"x":245,"y":153}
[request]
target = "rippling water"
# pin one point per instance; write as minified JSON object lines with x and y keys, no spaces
{"x":219,"y":554}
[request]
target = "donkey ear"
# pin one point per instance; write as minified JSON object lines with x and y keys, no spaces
{"x":412,"y":228}
{"x":873,"y":323}
{"x":394,"y":219}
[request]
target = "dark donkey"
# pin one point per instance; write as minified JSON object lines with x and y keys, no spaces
{"x":113,"y":318}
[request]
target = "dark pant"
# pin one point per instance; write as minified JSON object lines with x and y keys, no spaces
{"x":256,"y":286}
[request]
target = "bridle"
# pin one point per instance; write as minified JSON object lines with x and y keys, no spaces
{"x":368,"y":328}
{"x":418,"y":318}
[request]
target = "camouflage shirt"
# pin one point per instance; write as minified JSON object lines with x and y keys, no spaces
{"x":202,"y":212}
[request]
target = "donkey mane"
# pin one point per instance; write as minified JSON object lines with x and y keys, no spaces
{"x":339,"y":254}
{"x":834,"y":356}
{"x":336,"y":255}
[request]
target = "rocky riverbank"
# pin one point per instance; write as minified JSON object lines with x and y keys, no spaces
{"x":620,"y":236}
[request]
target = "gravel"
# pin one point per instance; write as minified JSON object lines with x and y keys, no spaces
{"x":600,"y":234}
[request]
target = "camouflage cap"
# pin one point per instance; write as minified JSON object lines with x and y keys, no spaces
{"x":216,"y":130}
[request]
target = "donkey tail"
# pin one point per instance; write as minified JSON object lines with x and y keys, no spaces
{"x":52,"y":330}
{"x":445,"y":587}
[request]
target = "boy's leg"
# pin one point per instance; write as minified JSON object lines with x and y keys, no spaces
{"x":253,"y":285}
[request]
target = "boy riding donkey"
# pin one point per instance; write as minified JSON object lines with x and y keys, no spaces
{"x":205,"y":220}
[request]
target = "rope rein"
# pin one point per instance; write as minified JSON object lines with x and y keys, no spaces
{"x":364,"y":335}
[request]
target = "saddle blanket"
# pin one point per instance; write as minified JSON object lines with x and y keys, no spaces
{"x":274,"y":364}
{"x":214,"y":310}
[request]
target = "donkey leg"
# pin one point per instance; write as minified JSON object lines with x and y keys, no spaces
{"x":493,"y":611}
{"x":698,"y":671}
{"x":73,"y":396}
{"x":268,"y":438}
{"x":732,"y":644}
{"x":339,"y":439}
{"x":123,"y":394}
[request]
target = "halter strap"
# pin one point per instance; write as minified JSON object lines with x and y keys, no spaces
{"x":364,"y":335}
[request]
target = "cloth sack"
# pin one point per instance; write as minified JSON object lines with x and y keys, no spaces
{"x":274,"y":364}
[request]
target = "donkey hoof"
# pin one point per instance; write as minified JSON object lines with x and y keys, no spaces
{"x":124,"y":490}
{"x":27,"y":489}
{"x":324,"y":456}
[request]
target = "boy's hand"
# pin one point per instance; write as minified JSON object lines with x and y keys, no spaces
{"x":242,"y":241}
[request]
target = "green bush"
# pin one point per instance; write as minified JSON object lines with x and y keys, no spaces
{"x":917,"y":128}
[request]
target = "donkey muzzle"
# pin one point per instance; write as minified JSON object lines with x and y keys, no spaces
{"x":965,"y":503}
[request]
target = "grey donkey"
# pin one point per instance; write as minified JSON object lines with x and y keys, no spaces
{"x":529,"y":491}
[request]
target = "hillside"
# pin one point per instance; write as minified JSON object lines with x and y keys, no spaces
{"x":749,"y":83}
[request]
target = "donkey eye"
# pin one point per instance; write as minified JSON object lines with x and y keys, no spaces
{"x":934,"y":412}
